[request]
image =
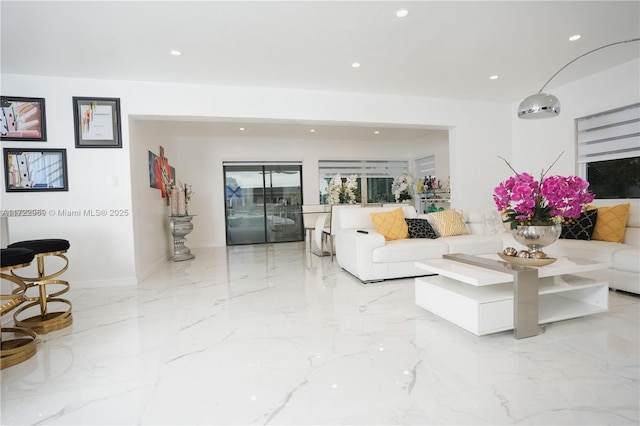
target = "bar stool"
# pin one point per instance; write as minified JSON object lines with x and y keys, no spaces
{"x":45,"y":321}
{"x":22,"y":345}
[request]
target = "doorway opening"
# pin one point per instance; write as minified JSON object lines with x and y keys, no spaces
{"x":263,"y":202}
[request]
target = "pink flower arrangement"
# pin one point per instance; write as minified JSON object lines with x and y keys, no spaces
{"x":526,"y":201}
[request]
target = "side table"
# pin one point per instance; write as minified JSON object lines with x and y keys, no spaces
{"x":180,"y":226}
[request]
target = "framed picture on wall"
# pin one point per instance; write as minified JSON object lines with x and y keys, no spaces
{"x":22,"y":119}
{"x":97,"y":122}
{"x":33,"y":169}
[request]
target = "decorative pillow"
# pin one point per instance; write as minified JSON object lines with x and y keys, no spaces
{"x":611,"y":223}
{"x":448,"y":223}
{"x":420,"y":228}
{"x":391,"y":224}
{"x":580,"y":228}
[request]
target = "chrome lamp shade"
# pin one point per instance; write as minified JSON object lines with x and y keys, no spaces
{"x":544,"y":105}
{"x":540,"y":105}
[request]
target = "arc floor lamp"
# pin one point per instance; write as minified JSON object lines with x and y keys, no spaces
{"x":545,"y":105}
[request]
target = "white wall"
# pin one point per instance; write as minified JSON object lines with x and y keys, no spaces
{"x":200,"y":161}
{"x":437,"y":144}
{"x":153,"y":241}
{"x":103,"y":250}
{"x":102,"y":247}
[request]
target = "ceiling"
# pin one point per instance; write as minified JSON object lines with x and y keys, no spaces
{"x":441,"y":49}
{"x":226,"y":128}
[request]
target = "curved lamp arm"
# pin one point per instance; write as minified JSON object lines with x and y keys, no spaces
{"x":543,"y":105}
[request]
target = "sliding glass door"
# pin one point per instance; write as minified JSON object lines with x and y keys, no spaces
{"x":263,"y":203}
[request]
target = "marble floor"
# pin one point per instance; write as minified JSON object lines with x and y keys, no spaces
{"x":270,"y":334}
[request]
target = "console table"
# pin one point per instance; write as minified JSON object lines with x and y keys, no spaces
{"x":180,"y":226}
{"x":484,"y":295}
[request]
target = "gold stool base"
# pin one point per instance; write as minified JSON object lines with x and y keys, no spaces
{"x":18,"y":349}
{"x":46,"y":323}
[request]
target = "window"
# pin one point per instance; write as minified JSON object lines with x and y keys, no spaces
{"x":374,"y":177}
{"x":615,"y":178}
{"x":609,"y":152}
{"x":426,"y":166}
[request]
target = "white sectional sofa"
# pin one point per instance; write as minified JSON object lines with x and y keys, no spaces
{"x":623,"y":258}
{"x":370,"y":258}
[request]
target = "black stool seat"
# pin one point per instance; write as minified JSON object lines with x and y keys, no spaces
{"x":49,"y":317}
{"x":15,"y":256}
{"x":13,"y":259}
{"x":48,"y":245}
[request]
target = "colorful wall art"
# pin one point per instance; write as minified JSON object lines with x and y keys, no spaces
{"x":22,"y":119}
{"x":161,"y":175}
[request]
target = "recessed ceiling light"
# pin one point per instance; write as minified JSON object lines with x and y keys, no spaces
{"x":377,"y":132}
{"x":355,"y":64}
{"x":493,"y":77}
{"x":241,"y":129}
{"x":312,"y":130}
{"x":575,"y":37}
{"x":175,"y":52}
{"x":401,"y":13}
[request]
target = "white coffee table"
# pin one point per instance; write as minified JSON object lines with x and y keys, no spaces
{"x":485,"y":295}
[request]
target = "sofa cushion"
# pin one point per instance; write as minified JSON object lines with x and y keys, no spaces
{"x":420,"y":228}
{"x":473,"y":244}
{"x":611,"y":223}
{"x":448,"y":223}
{"x":580,"y":228}
{"x":601,"y":251}
{"x":627,"y":260}
{"x":391,"y":224}
{"x":355,"y":216}
{"x":410,"y":250}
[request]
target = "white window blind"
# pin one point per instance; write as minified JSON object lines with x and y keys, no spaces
{"x":363,"y":168}
{"x":609,"y":135}
{"x":426,"y":166}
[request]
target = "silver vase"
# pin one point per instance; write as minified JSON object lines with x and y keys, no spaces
{"x":536,"y":237}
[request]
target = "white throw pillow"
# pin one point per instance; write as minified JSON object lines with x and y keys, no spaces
{"x":491,"y":222}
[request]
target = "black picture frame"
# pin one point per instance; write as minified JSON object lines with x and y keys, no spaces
{"x":35,"y":170}
{"x":97,"y":122}
{"x":22,"y":119}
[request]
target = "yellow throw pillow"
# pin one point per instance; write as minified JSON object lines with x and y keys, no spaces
{"x":611,"y":223}
{"x":448,"y":223}
{"x":391,"y":224}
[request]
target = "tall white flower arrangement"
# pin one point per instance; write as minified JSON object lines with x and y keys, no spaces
{"x":343,"y":192}
{"x":334,"y":189}
{"x":402,"y":187}
{"x":350,"y":189}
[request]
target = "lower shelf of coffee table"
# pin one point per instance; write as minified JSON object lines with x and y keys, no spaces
{"x":489,"y":309}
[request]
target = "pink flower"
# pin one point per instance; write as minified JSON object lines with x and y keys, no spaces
{"x":523,"y":199}
{"x":566,"y":195}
